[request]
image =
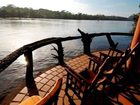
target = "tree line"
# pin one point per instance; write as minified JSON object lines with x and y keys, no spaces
{"x":13,"y":11}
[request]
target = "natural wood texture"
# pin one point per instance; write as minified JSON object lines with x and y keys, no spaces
{"x":119,"y":79}
{"x":86,"y":39}
{"x":30,"y":83}
{"x":60,"y":52}
{"x":118,"y":85}
{"x":113,"y":54}
{"x":84,"y":82}
{"x":5,"y":62}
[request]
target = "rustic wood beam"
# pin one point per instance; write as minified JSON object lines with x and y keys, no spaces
{"x":30,"y":83}
{"x":86,"y":39}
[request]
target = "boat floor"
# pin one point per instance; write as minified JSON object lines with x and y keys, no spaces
{"x":46,"y":81}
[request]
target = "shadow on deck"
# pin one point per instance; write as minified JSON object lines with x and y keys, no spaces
{"x":46,"y":81}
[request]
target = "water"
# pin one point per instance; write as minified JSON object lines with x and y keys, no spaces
{"x":15,"y":33}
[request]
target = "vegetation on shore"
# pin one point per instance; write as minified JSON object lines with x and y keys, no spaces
{"x":134,"y":17}
{"x":13,"y":11}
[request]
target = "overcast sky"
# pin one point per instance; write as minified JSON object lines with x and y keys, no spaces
{"x":106,"y":7}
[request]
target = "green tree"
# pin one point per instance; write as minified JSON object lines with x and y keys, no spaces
{"x":13,"y":11}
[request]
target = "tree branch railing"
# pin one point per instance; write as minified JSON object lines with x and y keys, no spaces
{"x":28,"y":49}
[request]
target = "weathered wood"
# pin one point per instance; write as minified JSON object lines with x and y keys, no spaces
{"x":5,"y":62}
{"x":111,"y":42}
{"x":47,"y":41}
{"x":60,"y":52}
{"x":29,"y":67}
{"x":111,"y":33}
{"x":30,"y":83}
{"x":86,"y":39}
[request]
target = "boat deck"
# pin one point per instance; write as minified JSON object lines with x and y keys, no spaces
{"x":46,"y":81}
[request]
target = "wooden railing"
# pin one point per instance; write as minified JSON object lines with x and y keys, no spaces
{"x":28,"y":49}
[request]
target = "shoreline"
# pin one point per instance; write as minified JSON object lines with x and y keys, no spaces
{"x":22,"y":18}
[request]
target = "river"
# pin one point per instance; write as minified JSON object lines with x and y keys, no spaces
{"x":15,"y":33}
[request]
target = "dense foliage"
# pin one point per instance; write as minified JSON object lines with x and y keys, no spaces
{"x":13,"y":11}
{"x":134,"y":17}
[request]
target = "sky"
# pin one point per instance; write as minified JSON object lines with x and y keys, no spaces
{"x":107,"y":7}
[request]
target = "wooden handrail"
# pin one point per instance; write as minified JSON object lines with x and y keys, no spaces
{"x":27,"y":51}
{"x":5,"y":62}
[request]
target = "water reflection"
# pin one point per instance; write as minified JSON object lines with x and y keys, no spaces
{"x":22,"y":60}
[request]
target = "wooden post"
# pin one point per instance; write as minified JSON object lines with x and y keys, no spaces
{"x":30,"y":83}
{"x":29,"y":69}
{"x":60,"y":53}
{"x":111,"y":42}
{"x":86,"y":39}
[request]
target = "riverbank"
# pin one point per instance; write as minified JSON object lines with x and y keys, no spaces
{"x":20,"y":12}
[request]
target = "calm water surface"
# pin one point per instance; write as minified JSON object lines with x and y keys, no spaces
{"x":16,"y":33}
